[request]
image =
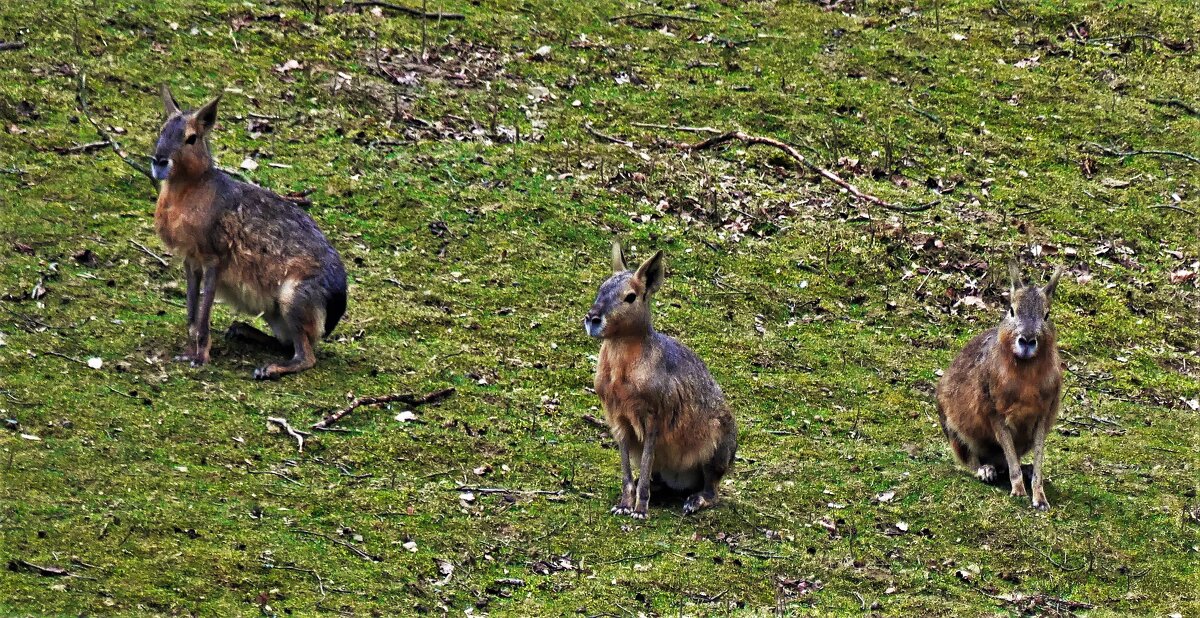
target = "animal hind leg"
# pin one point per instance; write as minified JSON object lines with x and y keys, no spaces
{"x":966,"y":456}
{"x":303,"y":331}
{"x":712,"y":471}
{"x":243,"y":331}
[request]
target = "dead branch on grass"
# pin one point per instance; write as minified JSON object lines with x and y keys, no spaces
{"x":787,"y":149}
{"x":411,"y":12}
{"x":1113,"y":152}
{"x":506,"y":490}
{"x":658,"y":16}
{"x":83,"y":108}
{"x":283,"y":423}
{"x":355,"y":550}
{"x":407,"y":398}
{"x":672,"y":127}
{"x":147,"y":251}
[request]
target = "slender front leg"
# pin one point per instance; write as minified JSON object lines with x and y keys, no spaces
{"x":643,"y":484}
{"x":1004,"y":437}
{"x":1039,"y":450}
{"x":191,"y":274}
{"x":200,"y":328}
{"x":626,"y":502}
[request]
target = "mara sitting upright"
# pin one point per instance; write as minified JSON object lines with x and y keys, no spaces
{"x":257,"y":251}
{"x":1000,"y":397}
{"x":668,"y":415}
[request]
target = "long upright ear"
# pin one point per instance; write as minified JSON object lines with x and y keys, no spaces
{"x":170,"y":105}
{"x":1014,"y":279}
{"x":204,"y":118}
{"x":652,"y":272}
{"x":1050,"y":287}
{"x":618,"y":258}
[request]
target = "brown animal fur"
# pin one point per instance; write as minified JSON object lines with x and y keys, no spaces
{"x":257,"y":251}
{"x":1000,"y":396}
{"x":667,"y":414}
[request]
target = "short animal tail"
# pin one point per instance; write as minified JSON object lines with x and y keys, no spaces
{"x":335,"y":308}
{"x":335,"y":291}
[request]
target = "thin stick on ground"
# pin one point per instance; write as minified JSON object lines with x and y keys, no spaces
{"x":313,"y":572}
{"x":83,"y":108}
{"x":608,"y":138}
{"x":1176,"y":47}
{"x":283,"y":423}
{"x":355,"y":550}
{"x":147,"y":251}
{"x":411,"y":12}
{"x":1173,"y":207}
{"x":673,"y":127}
{"x":88,"y":147}
{"x":406,"y":398}
{"x":506,"y":490}
{"x":11,"y":45}
{"x":787,"y":149}
{"x":1133,"y":153}
{"x":658,"y":16}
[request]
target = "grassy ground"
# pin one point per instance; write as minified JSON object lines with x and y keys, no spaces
{"x":474,"y":209}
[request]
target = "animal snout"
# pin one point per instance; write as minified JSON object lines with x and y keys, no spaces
{"x":159,"y":166}
{"x":593,"y":323}
{"x":1026,"y":346}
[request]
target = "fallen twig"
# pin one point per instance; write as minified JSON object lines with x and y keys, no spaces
{"x":283,"y":423}
{"x":608,"y":138}
{"x":1051,"y":559}
{"x":63,"y":356}
{"x":150,"y":253}
{"x":278,"y":473}
{"x":11,"y":45}
{"x":411,"y":12}
{"x":16,"y":565}
{"x":506,"y":490}
{"x":799,"y":158}
{"x":358,"y":552}
{"x":1176,"y":47}
{"x":1132,"y":153}
{"x":659,"y":16}
{"x":313,"y":572}
{"x":1173,"y":207}
{"x":83,"y":108}
{"x":671,"y":127}
{"x":408,"y":398}
{"x":88,"y":147}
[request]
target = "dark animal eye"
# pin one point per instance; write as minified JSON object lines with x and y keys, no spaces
{"x":190,"y":140}
{"x":1047,"y":316}
{"x":630,"y":297}
{"x":1012,"y":312}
